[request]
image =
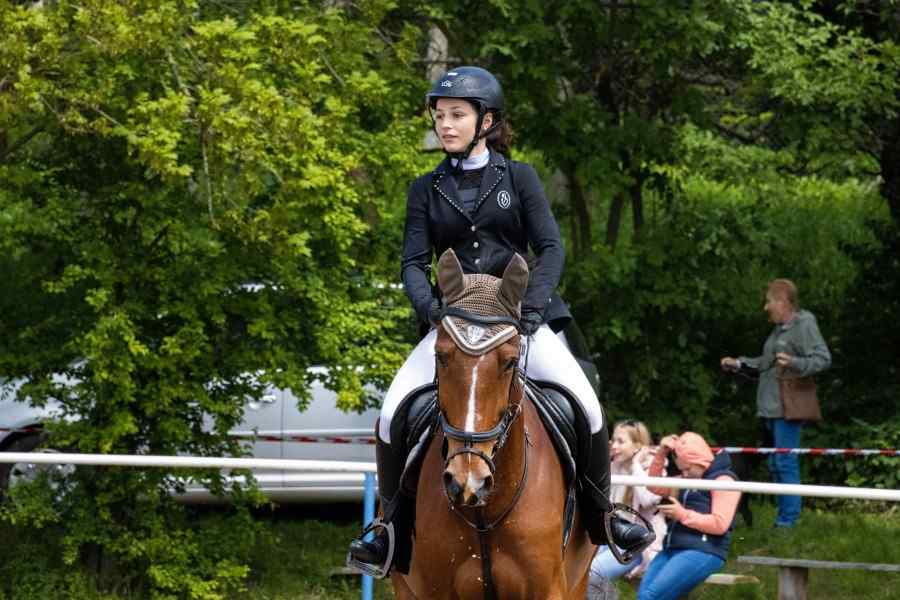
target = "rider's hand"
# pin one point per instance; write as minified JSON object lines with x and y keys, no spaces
{"x":530,"y":322}
{"x":730,"y":364}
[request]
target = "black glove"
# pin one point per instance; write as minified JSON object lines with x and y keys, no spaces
{"x":530,"y":322}
{"x":434,"y":312}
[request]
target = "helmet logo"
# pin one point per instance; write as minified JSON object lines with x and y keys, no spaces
{"x":446,"y":83}
{"x":452,"y":73}
{"x":503,"y":199}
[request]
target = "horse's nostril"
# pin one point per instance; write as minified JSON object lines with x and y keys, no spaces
{"x":452,"y":486}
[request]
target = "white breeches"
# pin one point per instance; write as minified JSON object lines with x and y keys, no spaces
{"x":548,"y":359}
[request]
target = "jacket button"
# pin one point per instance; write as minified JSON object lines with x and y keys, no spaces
{"x":475,"y":245}
{"x":477,"y":260}
{"x":472,"y":228}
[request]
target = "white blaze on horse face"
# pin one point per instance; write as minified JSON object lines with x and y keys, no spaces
{"x":470,"y":405}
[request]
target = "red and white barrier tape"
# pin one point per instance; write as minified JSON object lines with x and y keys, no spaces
{"x":812,"y":451}
{"x":312,"y":439}
{"x":369,"y":439}
{"x":363,"y":438}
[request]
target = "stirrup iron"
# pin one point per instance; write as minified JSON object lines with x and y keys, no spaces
{"x":376,"y":571}
{"x":625,"y":556}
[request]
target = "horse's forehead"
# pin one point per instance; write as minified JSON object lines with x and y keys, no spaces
{"x":481,"y":296}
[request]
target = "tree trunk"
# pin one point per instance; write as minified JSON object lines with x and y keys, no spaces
{"x":614,"y":221}
{"x":581,"y":213}
{"x":890,"y":169}
{"x":636,"y":191}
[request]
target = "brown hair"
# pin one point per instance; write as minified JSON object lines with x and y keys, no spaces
{"x":639,"y":434}
{"x":785,"y":288}
{"x":500,"y":140}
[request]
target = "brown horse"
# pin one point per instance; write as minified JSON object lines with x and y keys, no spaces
{"x":492,"y":491}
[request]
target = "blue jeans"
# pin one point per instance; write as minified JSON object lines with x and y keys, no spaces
{"x":605,"y":565}
{"x":785,"y":468}
{"x":675,"y":572}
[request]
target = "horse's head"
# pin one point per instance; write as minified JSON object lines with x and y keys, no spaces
{"x":479,"y":389}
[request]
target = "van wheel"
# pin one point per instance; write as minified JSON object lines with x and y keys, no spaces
{"x":20,"y":472}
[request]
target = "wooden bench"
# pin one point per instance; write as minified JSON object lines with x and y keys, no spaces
{"x":610,"y":592}
{"x":724,"y":579}
{"x":729,"y":579}
{"x":793,"y":573}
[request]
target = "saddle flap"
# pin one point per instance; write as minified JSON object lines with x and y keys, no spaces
{"x":558,"y":416}
{"x":413,"y":416}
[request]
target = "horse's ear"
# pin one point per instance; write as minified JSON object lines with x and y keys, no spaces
{"x":450,"y":276}
{"x":514,"y":284}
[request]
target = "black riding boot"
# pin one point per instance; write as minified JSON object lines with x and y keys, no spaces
{"x":393,"y":507}
{"x":629,"y":536}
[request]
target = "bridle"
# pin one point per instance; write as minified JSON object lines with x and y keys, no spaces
{"x":498,"y":434}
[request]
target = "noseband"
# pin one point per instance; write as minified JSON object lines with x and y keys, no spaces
{"x":498,"y":434}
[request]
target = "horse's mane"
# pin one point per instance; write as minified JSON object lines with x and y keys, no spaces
{"x":481,"y":296}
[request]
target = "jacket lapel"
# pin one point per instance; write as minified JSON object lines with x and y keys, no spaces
{"x":493,"y":175}
{"x":445,"y":185}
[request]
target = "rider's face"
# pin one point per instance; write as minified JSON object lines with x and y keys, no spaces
{"x":454,"y":123}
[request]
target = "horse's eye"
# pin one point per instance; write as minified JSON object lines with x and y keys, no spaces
{"x":441,"y":358}
{"x":511,"y":363}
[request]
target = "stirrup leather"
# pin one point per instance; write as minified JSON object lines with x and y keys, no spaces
{"x":376,"y":571}
{"x":625,"y":556}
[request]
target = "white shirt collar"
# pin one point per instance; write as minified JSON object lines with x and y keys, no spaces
{"x":474,"y":162}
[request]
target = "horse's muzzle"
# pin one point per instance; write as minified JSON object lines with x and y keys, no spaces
{"x":473,"y":492}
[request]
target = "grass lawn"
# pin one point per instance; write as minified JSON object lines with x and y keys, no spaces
{"x":307,"y":542}
{"x":845,"y":535}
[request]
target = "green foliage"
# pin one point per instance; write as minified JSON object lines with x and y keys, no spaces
{"x":662,"y":311}
{"x":185,"y":218}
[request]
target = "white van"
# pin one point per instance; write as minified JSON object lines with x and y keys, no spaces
{"x":273,"y":427}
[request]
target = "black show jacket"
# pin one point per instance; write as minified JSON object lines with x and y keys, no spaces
{"x":511,"y":213}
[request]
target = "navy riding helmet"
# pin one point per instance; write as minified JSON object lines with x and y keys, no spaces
{"x":476,"y":85}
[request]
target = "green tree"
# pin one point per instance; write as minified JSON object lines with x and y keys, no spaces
{"x":184,"y":219}
{"x":827,"y":74}
{"x":599,"y":88}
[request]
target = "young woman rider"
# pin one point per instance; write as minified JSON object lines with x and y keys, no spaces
{"x":486,"y":207}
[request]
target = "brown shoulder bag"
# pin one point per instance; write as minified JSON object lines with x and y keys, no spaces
{"x":798,"y":396}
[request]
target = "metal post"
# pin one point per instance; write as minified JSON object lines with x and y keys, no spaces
{"x":368,"y":516}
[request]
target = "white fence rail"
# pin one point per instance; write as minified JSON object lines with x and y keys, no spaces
{"x":183,"y":462}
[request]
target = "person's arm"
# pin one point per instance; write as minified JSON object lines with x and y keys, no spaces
{"x":644,"y":497}
{"x":417,"y":251}
{"x":816,"y":356}
{"x":543,"y":237}
{"x":717,"y":522}
{"x":750,"y":361}
{"x":657,"y":469}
